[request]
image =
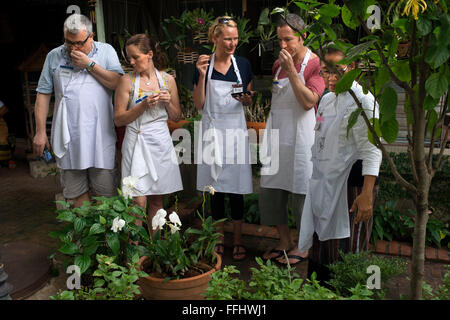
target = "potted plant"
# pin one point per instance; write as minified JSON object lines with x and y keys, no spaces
{"x":266,"y":32}
{"x":257,"y":112}
{"x":199,"y":21}
{"x":179,"y":264}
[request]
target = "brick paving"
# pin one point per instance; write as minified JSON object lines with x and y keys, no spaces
{"x":27,"y":212}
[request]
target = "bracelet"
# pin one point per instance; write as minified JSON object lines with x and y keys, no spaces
{"x":90,"y":66}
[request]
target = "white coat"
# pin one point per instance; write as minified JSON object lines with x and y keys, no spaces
{"x":326,"y":210}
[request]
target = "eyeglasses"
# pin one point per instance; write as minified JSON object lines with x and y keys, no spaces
{"x":327,"y":73}
{"x":77,"y":44}
{"x":223,"y":21}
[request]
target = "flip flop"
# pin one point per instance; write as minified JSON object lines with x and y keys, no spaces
{"x":239,"y":252}
{"x":279,"y":253}
{"x":221,"y":245}
{"x":293,"y":256}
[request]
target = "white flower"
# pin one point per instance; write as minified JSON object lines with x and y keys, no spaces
{"x":127,"y":192}
{"x":159,"y":220}
{"x":173,"y":228}
{"x":130,"y":182}
{"x":211,"y":189}
{"x":117,"y":224}
{"x":173,"y":217}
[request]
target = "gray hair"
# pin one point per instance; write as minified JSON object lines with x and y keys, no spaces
{"x":294,"y":20}
{"x":75,"y":23}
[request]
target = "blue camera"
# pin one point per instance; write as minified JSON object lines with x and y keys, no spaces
{"x":47,"y":156}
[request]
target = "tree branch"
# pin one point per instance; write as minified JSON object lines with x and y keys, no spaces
{"x":378,"y":143}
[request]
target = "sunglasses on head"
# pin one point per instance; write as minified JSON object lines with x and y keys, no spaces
{"x":223,"y":21}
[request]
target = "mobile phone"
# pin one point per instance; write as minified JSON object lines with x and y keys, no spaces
{"x":47,"y":156}
{"x":240,"y":94}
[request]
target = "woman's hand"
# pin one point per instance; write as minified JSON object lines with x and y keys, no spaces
{"x":203,"y":63}
{"x":245,"y":99}
{"x":164,"y":96}
{"x":151,"y":102}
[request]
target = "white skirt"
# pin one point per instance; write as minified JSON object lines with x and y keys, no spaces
{"x":160,"y":146}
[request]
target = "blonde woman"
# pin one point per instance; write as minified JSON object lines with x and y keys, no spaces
{"x":222,"y":86}
{"x":144,"y":101}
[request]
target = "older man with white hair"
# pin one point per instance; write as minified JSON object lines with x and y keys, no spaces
{"x":83,"y":74}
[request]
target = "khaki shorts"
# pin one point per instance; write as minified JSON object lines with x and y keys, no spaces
{"x":75,"y":183}
{"x":273,"y":206}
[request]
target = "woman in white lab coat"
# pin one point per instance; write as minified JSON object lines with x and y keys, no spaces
{"x":220,"y":85}
{"x":144,"y":101}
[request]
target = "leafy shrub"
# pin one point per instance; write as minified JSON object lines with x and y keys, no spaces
{"x":269,"y":282}
{"x":351,"y":270}
{"x":113,"y":282}
{"x":390,"y":224}
{"x":90,"y":230}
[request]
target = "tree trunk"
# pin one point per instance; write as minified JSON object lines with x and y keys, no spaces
{"x":421,"y":202}
{"x":418,"y":256}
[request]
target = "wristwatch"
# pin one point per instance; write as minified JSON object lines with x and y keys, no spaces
{"x":90,"y":66}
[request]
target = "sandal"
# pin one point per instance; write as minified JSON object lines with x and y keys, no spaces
{"x":239,"y":252}
{"x":279,"y":253}
{"x":220,"y":245}
{"x":292,"y":256}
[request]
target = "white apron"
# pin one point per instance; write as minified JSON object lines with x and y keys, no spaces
{"x":295,"y":126}
{"x":326,"y":210}
{"x":226,"y":168}
{"x":147,"y":149}
{"x":83,"y":133}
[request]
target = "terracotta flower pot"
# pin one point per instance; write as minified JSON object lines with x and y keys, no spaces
{"x":183,"y":289}
{"x":256,"y":126}
{"x":175,"y":125}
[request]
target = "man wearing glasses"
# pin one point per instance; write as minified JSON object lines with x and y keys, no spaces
{"x":83,"y":74}
{"x":334,"y":220}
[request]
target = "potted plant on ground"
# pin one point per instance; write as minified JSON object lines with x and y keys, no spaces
{"x":179,"y":264}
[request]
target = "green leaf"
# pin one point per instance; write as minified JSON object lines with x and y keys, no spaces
{"x":376,"y":125}
{"x":79,"y":224}
{"x":424,"y":26}
{"x":66,"y":216}
{"x":346,"y":81}
{"x":357,"y":7}
{"x":430,"y":103}
{"x":83,"y":261}
{"x":329,"y":10}
{"x":432,"y":119}
{"x":437,"y":55}
{"x":102,"y":220}
{"x":352,"y":119}
{"x":349,"y":19}
{"x":357,"y":50}
{"x":389,"y":130}
{"x":436,"y":85}
{"x":113,"y":243}
{"x":381,"y":78}
{"x":69,"y":248}
{"x":388,"y":104}
{"x":96,"y":228}
{"x":402,"y":71}
{"x":118,"y":206}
